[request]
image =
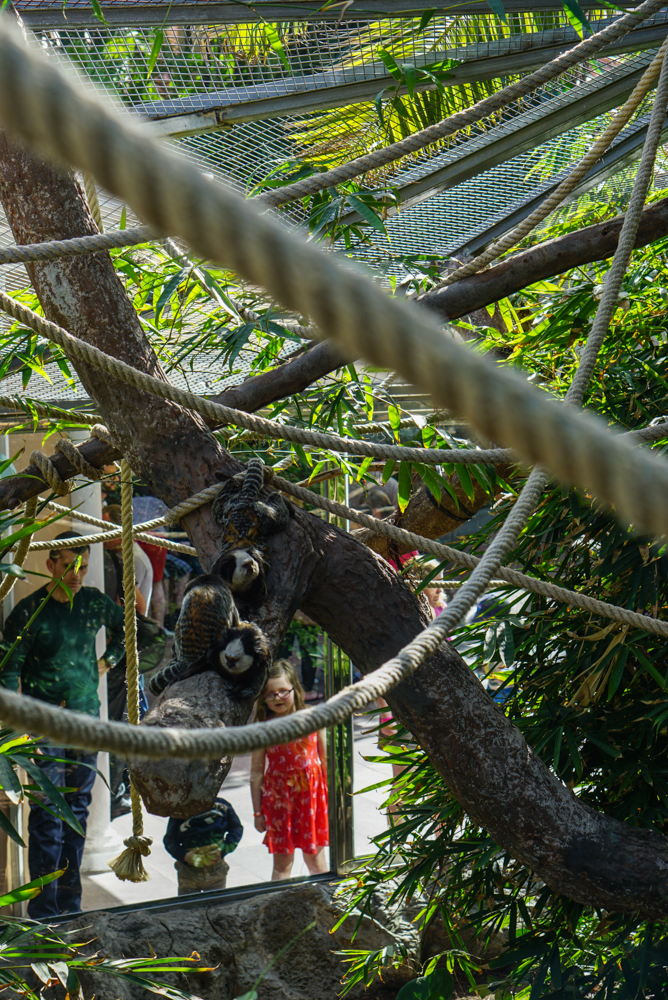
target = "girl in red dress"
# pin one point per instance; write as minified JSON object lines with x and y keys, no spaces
{"x":289,"y":782}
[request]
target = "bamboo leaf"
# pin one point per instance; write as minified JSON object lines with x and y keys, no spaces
{"x":404,"y":493}
{"x":388,"y":469}
{"x":394,"y":416}
{"x":498,"y":8}
{"x":97,"y":10}
{"x":489,"y":645}
{"x":158,"y":38}
{"x":276,"y":44}
{"x":506,"y":643}
{"x":577,"y":17}
{"x":465,"y":480}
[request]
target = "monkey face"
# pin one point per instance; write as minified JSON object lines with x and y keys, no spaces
{"x":234,"y":658}
{"x":240,"y":568}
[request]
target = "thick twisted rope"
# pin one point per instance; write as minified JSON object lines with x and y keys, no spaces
{"x":389,"y":530}
{"x":216,"y":411}
{"x":411,"y":144}
{"x":34,"y":252}
{"x":511,"y":576}
{"x":45,"y":109}
{"x":138,"y":741}
{"x":50,"y":473}
{"x":415,"y":652}
{"x":627,"y":238}
{"x":621,"y":118}
{"x":21,"y":550}
{"x":128,"y":866}
{"x":111,"y":531}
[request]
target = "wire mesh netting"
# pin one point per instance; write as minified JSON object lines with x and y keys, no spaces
{"x":208,"y":66}
{"x":450,"y":191}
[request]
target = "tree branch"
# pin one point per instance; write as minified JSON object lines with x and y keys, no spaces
{"x":543,"y":261}
{"x":286,"y":380}
{"x":366,"y":608}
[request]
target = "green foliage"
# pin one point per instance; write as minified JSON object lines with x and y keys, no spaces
{"x":20,"y":752}
{"x":589,"y":695}
{"x":27,"y":946}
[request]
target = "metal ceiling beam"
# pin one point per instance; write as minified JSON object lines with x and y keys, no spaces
{"x":503,"y":144}
{"x":621,"y":155}
{"x":300,"y":95}
{"x":38,"y":14}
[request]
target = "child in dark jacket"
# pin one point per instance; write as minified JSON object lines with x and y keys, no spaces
{"x":199,"y":845}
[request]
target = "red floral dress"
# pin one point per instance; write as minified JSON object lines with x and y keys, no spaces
{"x":294,"y":798}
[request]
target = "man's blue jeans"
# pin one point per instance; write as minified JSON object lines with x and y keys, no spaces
{"x":52,"y":844}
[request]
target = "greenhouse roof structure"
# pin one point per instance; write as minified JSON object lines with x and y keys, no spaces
{"x":244,"y":87}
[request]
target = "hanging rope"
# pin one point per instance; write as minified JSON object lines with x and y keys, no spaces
{"x":129,"y":866}
{"x":21,"y":549}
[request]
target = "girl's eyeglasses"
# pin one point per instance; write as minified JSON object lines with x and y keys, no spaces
{"x":283,"y":693}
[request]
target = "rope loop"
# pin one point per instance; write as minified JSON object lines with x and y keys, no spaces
{"x":77,"y":460}
{"x":100,"y":432}
{"x":49,"y":473}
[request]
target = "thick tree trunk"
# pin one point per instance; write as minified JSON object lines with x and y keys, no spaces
{"x":350,"y":591}
{"x":85,"y":296}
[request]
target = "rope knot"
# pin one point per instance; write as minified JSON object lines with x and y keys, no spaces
{"x":141,"y":844}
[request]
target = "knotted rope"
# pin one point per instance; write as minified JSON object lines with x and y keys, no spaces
{"x":61,"y":487}
{"x":128,"y":866}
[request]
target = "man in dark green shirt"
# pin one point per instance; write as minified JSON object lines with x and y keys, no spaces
{"x":55,"y":660}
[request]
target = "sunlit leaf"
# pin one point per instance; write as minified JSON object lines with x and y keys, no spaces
{"x":404,"y":493}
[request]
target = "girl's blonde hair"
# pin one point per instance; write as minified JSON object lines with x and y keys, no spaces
{"x":262,"y":712}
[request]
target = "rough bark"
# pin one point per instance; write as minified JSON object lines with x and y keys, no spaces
{"x":15,"y":490}
{"x":85,"y":296}
{"x":543,"y":261}
{"x":239,"y":941}
{"x":165,"y":785}
{"x":342,"y":585}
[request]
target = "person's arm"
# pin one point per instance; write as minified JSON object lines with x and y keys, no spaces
{"x":258,"y":758}
{"x":113,"y":618}
{"x":322,"y":750}
{"x":10,"y":674}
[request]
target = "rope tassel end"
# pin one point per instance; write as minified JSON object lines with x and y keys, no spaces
{"x":128,"y":866}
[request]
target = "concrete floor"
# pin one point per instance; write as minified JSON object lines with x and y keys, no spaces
{"x":251,"y":862}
